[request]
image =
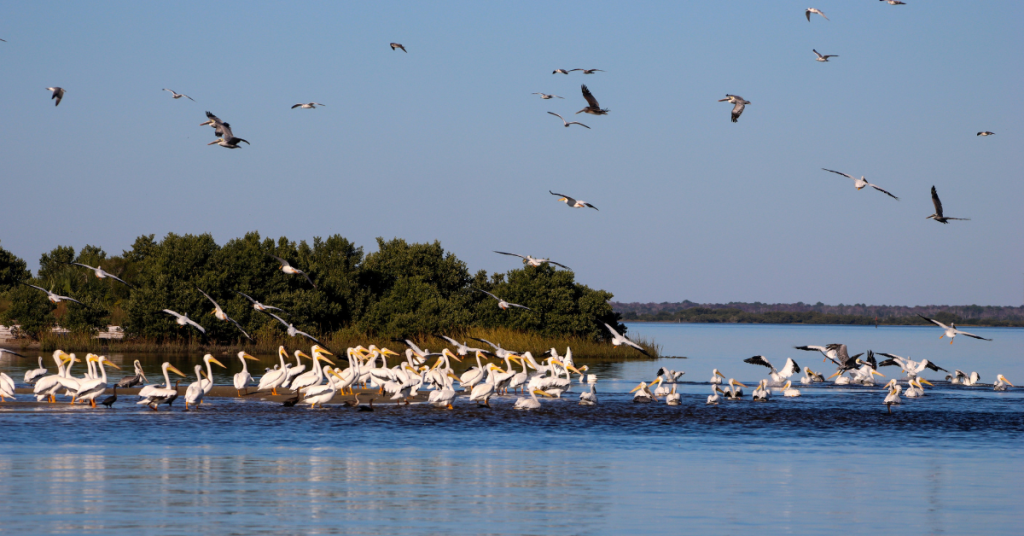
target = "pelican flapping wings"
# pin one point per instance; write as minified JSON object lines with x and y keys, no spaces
{"x":223,"y":130}
{"x":739,"y":104}
{"x":938,"y":210}
{"x":54,"y":298}
{"x":307,"y":105}
{"x":823,"y":57}
{"x":545,"y":96}
{"x":396,"y":46}
{"x":951,"y":331}
{"x":533,"y":261}
{"x":587,"y":71}
{"x":814,"y":10}
{"x":184,"y":320}
{"x":790,"y":368}
{"x":894,"y":2}
{"x":619,"y":339}
{"x":259,"y":306}
{"x":573,"y":203}
{"x":292,"y":331}
{"x":291,"y":270}
{"x":221,"y":315}
{"x":175,"y":95}
{"x":101,"y":273}
{"x":567,"y":123}
{"x":593,"y":107}
{"x":862,"y":182}
{"x":504,"y":305}
{"x":58,"y":94}
{"x":560,"y":71}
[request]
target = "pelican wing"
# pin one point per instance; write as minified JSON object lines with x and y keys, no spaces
{"x":489,"y":343}
{"x":886,"y":192}
{"x":280,"y":260}
{"x":308,"y":336}
{"x":35,"y":287}
{"x":614,"y":333}
{"x":557,"y":264}
{"x":933,"y":366}
{"x":971,"y":335}
{"x":589,"y":96}
{"x":578,"y":123}
{"x":246,"y":296}
{"x":871,"y":360}
{"x":239,"y":326}
{"x":511,"y":254}
{"x":558,"y":116}
{"x":759,"y":360}
{"x":844,"y":174}
{"x":790,"y":369}
{"x":517,"y":305}
{"x":936,"y":322}
{"x":278,"y":319}
{"x":115,"y":278}
{"x":307,"y":277}
{"x":208,"y":297}
{"x":811,"y":348}
{"x":936,"y":202}
{"x":82,"y":265}
{"x":487,"y":293}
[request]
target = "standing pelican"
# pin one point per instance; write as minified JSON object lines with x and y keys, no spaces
{"x":307,"y":105}
{"x":6,"y":387}
{"x":545,"y":96}
{"x":101,"y":273}
{"x":175,"y":95}
{"x":139,"y":378}
{"x":396,"y":46}
{"x":46,"y":388}
{"x":593,"y":108}
{"x":292,"y":331}
{"x":90,"y":389}
{"x":34,"y":374}
{"x":893,"y":397}
{"x":619,"y":340}
{"x":938,"y":210}
{"x":567,"y":123}
{"x":296,"y":370}
{"x":58,"y":94}
{"x":194,"y":393}
{"x":716,"y":377}
{"x":589,"y":398}
{"x":291,"y":270}
{"x":823,"y":58}
{"x":207,"y":384}
{"x":814,"y":10}
{"x":153,"y":395}
{"x":54,"y":298}
{"x":951,"y":331}
{"x":573,"y":203}
{"x":739,"y":104}
{"x":184,"y":320}
{"x":259,"y":306}
{"x":1002,"y":383}
{"x":862,"y":182}
{"x":242,"y":380}
{"x":222,"y":129}
{"x":221,"y":315}
{"x":502,"y":304}
{"x":273,"y":378}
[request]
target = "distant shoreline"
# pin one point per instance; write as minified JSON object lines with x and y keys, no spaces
{"x":628,"y":321}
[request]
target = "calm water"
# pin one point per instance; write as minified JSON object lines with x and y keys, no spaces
{"x":831,"y":460}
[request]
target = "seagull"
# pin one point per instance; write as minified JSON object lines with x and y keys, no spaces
{"x":179,"y":95}
{"x":54,"y":298}
{"x":395,"y":46}
{"x":307,"y":105}
{"x":567,"y":123}
{"x":862,"y":182}
{"x":593,"y":107}
{"x":288,"y":269}
{"x":259,"y":306}
{"x":534,"y":261}
{"x":938,"y":210}
{"x":951,"y":330}
{"x":619,"y":340}
{"x":292,"y":331}
{"x":588,"y":71}
{"x":184,"y":320}
{"x":560,"y":71}
{"x":986,"y":133}
{"x":545,"y":96}
{"x":101,"y":273}
{"x":222,"y":129}
{"x":739,"y":102}
{"x":814,"y":10}
{"x":221,"y":315}
{"x":504,"y":305}
{"x":58,"y":93}
{"x":573,"y":203}
{"x":893,"y":3}
{"x":825,"y":57}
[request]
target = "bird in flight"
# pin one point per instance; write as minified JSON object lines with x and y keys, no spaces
{"x":593,"y":107}
{"x":396,"y":46}
{"x":588,"y":71}
{"x":567,"y":123}
{"x":545,"y":96}
{"x":54,"y":298}
{"x":101,"y":273}
{"x":292,"y":331}
{"x":259,"y":306}
{"x":504,"y":305}
{"x":619,"y":340}
{"x":951,"y":331}
{"x":814,"y":10}
{"x":290,"y":270}
{"x":223,"y":130}
{"x":823,"y":58}
{"x":894,"y":2}
{"x":179,"y":95}
{"x":938,"y":210}
{"x":221,"y":315}
{"x":184,"y":320}
{"x":560,"y":71}
{"x":862,"y":182}
{"x":534,"y":261}
{"x":573,"y":203}
{"x":307,"y":105}
{"x":986,"y":133}
{"x":58,"y":93}
{"x":739,"y":103}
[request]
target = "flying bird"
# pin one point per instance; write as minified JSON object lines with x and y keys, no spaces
{"x":290,"y":270}
{"x":588,"y":71}
{"x":221,"y":315}
{"x":938,"y":210}
{"x":184,"y":320}
{"x":395,"y":46}
{"x":951,"y":331}
{"x":534,"y":261}
{"x":58,"y":93}
{"x":179,"y":95}
{"x":573,"y":203}
{"x":259,"y":306}
{"x":54,"y":298}
{"x":560,"y":71}
{"x":739,"y":103}
{"x":862,"y":182}
{"x":567,"y":123}
{"x":619,"y":340}
{"x":292,"y":331}
{"x":593,"y":107}
{"x":986,"y":133}
{"x":504,"y":305}
{"x":545,"y":96}
{"x":894,"y":2}
{"x":823,"y":58}
{"x":223,"y":130}
{"x":307,"y":105}
{"x":814,"y":10}
{"x":101,"y":273}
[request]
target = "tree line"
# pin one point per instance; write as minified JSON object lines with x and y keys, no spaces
{"x":733,"y":315}
{"x":401,"y":290}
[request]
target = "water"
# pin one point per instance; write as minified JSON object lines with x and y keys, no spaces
{"x":950,"y":462}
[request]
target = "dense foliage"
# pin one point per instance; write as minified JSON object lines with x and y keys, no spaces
{"x":401,"y":290}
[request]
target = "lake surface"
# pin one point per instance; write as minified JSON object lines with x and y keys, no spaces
{"x":831,"y":460}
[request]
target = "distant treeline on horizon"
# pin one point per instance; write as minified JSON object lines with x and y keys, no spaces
{"x":819,"y":313}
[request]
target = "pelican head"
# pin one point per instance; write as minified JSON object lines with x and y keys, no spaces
{"x":174,"y":369}
{"x":1004,"y":380}
{"x":282,"y":352}
{"x":716,"y":373}
{"x":733,"y":382}
{"x":320,"y":349}
{"x":451,"y":355}
{"x":643,"y":385}
{"x":208,"y":358}
{"x":102,"y":360}
{"x":322,"y":358}
{"x":788,"y":385}
{"x":922,"y":380}
{"x":243,"y":355}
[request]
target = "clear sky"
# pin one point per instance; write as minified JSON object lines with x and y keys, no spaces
{"x":446,"y":142}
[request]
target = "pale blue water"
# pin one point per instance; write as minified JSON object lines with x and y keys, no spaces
{"x":830,"y":462}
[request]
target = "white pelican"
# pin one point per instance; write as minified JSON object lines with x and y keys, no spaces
{"x":643,"y":395}
{"x":545,"y":96}
{"x":915,"y":388}
{"x":221,"y":315}
{"x":659,"y":389}
{"x":823,"y":58}
{"x":713,"y":397}
{"x":567,"y":123}
{"x":207,"y":384}
{"x":814,"y":10}
{"x":46,"y":388}
{"x":68,"y":381}
{"x":588,"y":71}
{"x":307,"y":105}
{"x":295,"y":370}
{"x":90,"y":389}
{"x":865,"y":374}
{"x":131,"y":381}
{"x":273,"y":379}
{"x":862,"y":182}
{"x":951,"y":331}
{"x":243,"y":379}
{"x":34,"y":374}
{"x":811,"y":377}
{"x":938,"y":211}
{"x":175,"y":95}
{"x":520,"y":379}
{"x":533,"y":261}
{"x":893,"y":397}
{"x":593,"y":108}
{"x":502,"y":304}
{"x":619,"y":340}
{"x":100,"y":273}
{"x":291,"y":270}
{"x":461,"y":349}
{"x":395,"y":46}
{"x":1002,"y":383}
{"x":6,"y":387}
{"x":761,"y":392}
{"x":788,"y":391}
{"x":673,"y":398}
{"x":312,"y":377}
{"x":672,"y":376}
{"x":778,"y":376}
{"x":6,"y":351}
{"x":223,"y":130}
{"x":739,"y":104}
{"x":560,"y":71}
{"x":484,"y":390}
{"x":830,"y":351}
{"x":194,"y":393}
{"x":589,"y":398}
{"x":318,"y":394}
{"x":735,"y":390}
{"x":153,"y":395}
{"x":184,"y":320}
{"x":716,"y":377}
{"x":444,"y":397}
{"x":291,"y":329}
{"x":572,"y":202}
{"x":54,"y":298}
{"x":474,"y":375}
{"x":964,"y":379}
{"x":986,"y":133}
{"x":58,"y":94}
{"x":259,"y":306}
{"x":532,"y":402}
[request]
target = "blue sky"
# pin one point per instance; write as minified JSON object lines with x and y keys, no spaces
{"x":447,"y":142}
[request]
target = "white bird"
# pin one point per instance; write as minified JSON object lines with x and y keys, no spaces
{"x":307,"y":105}
{"x":660,"y":390}
{"x":243,"y":379}
{"x":671,"y":376}
{"x":179,"y":95}
{"x":560,"y":71}
{"x":295,"y":370}
{"x":504,"y":305}
{"x":713,"y":397}
{"x":593,"y":108}
{"x":273,"y":379}
{"x":1002,"y":383}
{"x":894,"y":2}
{"x":312,"y":377}
{"x":893,"y":397}
{"x":6,"y":351}
{"x":673,"y":398}
{"x":101,"y":273}
{"x":221,"y":315}
{"x":937,"y":216}
{"x":291,"y":270}
{"x":291,"y":329}
{"x":461,"y":348}
{"x":643,"y":395}
{"x":761,"y":392}
{"x":318,"y":394}
{"x":194,"y":393}
{"x":589,"y":398}
{"x":735,"y":391}
{"x":619,"y":340}
{"x":567,"y":123}
{"x":259,"y":306}
{"x":814,"y":10}
{"x":223,"y":130}
{"x":6,"y":387}
{"x":153,"y":395}
{"x":915,"y":388}
{"x":788,"y":391}
{"x":587,"y":71}
{"x":573,"y":203}
{"x":951,"y":331}
{"x":739,"y":104}
{"x":532,"y":402}
{"x":207,"y":383}
{"x":778,"y":376}
{"x":985,"y":133}
{"x":534,"y":261}
{"x":811,"y":377}
{"x":90,"y":389}
{"x":54,"y":298}
{"x":484,"y":390}
{"x":823,"y":58}
{"x":545,"y":96}
{"x":862,"y":182}
{"x":716,"y":377}
{"x":34,"y":374}
{"x":184,"y":320}
{"x":46,"y":388}
{"x":58,"y":93}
